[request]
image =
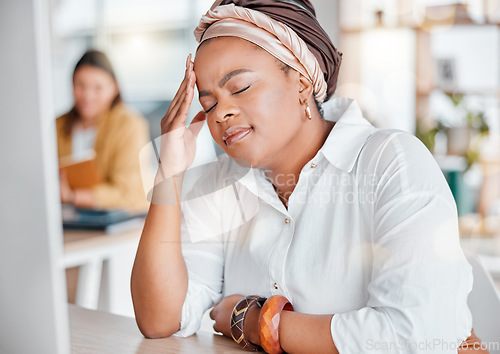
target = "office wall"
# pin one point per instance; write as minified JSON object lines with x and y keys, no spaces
{"x":33,"y":315}
{"x":145,"y":41}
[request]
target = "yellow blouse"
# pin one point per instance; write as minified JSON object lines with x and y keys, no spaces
{"x":121,"y":134}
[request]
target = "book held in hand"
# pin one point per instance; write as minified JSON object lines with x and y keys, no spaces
{"x":81,"y":173}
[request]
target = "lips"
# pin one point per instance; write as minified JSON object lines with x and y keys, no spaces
{"x":235,"y":134}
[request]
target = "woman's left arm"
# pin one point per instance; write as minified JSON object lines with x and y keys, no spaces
{"x":304,"y":333}
{"x":298,"y":332}
{"x":417,"y":295}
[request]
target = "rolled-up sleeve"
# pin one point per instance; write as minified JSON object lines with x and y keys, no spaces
{"x":204,"y":262}
{"x":420,"y":278}
{"x":203,"y":254}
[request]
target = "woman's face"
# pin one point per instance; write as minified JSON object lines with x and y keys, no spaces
{"x":253,"y":108}
{"x":94,"y":91}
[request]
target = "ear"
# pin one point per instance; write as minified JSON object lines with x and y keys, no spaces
{"x":306,"y":89}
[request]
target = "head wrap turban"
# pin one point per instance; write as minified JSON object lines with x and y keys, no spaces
{"x":287,"y":29}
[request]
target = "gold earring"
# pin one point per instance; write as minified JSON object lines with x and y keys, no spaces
{"x":308,"y":111}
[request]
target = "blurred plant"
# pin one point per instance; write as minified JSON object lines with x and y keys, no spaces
{"x":477,"y":121}
{"x":456,"y":98}
{"x":428,"y":136}
{"x":473,"y":120}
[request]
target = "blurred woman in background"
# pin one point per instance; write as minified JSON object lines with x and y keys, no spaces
{"x":100,"y":122}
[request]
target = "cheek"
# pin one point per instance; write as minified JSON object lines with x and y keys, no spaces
{"x":106,"y":96}
{"x":271,"y":111}
{"x":78,"y":92}
{"x":216,"y":133}
{"x":85,"y":95}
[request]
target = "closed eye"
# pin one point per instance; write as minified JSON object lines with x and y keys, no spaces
{"x":235,"y":93}
{"x":207,"y":111}
{"x":242,"y":90}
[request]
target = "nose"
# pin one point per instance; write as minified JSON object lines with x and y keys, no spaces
{"x":224,"y":118}
{"x":225,"y":111}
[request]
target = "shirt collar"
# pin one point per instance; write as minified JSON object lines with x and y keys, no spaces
{"x":255,"y":180}
{"x":348,"y":136}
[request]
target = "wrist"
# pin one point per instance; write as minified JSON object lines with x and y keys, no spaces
{"x":164,"y":172}
{"x":167,"y":191}
{"x":269,"y":323}
{"x":252,"y":325}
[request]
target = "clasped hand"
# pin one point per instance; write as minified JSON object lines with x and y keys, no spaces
{"x":221,"y":314}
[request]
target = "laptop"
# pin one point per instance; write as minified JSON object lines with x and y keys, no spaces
{"x":110,"y":221}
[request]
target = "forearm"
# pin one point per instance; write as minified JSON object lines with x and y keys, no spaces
{"x":304,"y":333}
{"x":298,"y":332}
{"x":159,"y":277}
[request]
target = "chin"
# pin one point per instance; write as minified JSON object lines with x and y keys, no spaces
{"x":86,"y":113}
{"x":246,"y":159}
{"x":244,"y":153}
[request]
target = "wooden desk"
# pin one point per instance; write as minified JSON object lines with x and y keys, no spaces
{"x":101,"y":332}
{"x":105,"y":263}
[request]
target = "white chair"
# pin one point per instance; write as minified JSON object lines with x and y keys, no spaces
{"x":484,"y":303}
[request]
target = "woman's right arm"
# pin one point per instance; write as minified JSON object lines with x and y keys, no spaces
{"x":159,"y":277}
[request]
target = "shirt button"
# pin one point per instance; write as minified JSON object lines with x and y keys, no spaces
{"x":276,"y":286}
{"x":287,"y":221}
{"x":313,"y":165}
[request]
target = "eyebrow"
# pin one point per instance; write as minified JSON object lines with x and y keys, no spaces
{"x":225,"y":79}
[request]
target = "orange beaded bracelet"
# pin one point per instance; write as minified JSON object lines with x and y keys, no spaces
{"x":269,"y":320}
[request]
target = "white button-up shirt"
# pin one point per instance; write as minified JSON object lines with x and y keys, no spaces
{"x":370,"y":235}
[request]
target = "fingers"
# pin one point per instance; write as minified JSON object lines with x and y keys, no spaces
{"x":63,"y":176}
{"x":177,"y":112}
{"x":182,"y":88}
{"x":183,"y":106}
{"x":184,"y":81}
{"x":216,"y":325}
{"x":186,"y":90}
